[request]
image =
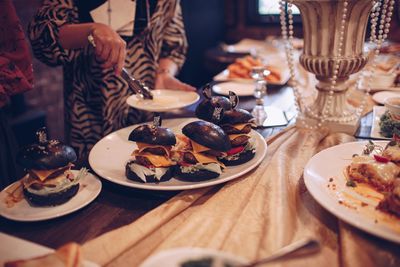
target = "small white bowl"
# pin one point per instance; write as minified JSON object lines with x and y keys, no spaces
{"x":393,"y":105}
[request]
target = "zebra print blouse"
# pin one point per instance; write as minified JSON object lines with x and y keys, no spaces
{"x":94,"y":97}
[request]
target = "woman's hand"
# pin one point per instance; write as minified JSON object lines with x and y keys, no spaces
{"x":167,"y":81}
{"x":110,"y":47}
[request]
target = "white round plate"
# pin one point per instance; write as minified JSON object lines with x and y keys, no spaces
{"x":381,"y":96}
{"x":240,"y":89}
{"x":176,"y":257}
{"x":164,"y":100}
{"x":110,"y":155}
{"x":330,"y":164}
{"x":89,"y":189}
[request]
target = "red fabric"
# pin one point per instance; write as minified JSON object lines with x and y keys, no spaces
{"x":16,"y":75}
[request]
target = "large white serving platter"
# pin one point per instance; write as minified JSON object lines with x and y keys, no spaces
{"x":89,"y":189}
{"x":110,"y":155}
{"x":327,"y":167}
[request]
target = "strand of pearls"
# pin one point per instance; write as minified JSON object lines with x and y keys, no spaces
{"x":288,"y":37}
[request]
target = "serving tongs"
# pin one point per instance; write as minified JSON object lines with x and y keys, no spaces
{"x":136,"y":85}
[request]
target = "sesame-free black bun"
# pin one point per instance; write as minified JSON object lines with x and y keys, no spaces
{"x":153,"y":135}
{"x":196,"y":176}
{"x":131,"y":175}
{"x":52,"y":199}
{"x":235,"y":116}
{"x":207,"y":134}
{"x":51,"y":154}
{"x":243,"y":158}
{"x":206,"y":107}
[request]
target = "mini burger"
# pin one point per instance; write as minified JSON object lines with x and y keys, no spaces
{"x":205,"y":110}
{"x":237,"y":124}
{"x":151,"y":162}
{"x":49,"y":180}
{"x":197,"y":151}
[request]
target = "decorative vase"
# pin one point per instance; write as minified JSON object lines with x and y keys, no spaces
{"x":321,"y":28}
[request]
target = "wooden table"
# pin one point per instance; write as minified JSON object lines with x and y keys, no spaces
{"x":118,"y":205}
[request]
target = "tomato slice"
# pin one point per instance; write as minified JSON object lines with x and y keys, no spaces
{"x":381,"y":159}
{"x":235,"y":150}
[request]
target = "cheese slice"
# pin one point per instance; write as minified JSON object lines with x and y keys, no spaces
{"x":143,"y":146}
{"x":233,"y":136}
{"x":157,"y":160}
{"x":43,"y":174}
{"x":240,"y":126}
{"x":197,"y":148}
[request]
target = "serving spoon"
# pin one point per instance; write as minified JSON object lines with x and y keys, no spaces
{"x":302,"y":247}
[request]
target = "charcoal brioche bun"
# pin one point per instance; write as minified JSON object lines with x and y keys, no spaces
{"x":197,"y":176}
{"x":208,"y":135}
{"x":153,"y":135}
{"x":52,"y":199}
{"x":243,"y":157}
{"x":131,"y":175}
{"x":236,"y":116}
{"x":51,"y":154}
{"x":206,"y":107}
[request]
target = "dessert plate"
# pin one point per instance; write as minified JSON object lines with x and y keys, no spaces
{"x":240,"y":89}
{"x":89,"y":189}
{"x":110,"y":155}
{"x":164,"y":100}
{"x":381,"y":96}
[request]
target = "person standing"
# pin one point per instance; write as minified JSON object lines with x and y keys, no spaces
{"x":93,"y":40}
{"x":16,"y":77}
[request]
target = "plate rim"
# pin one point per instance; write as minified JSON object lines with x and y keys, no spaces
{"x":130,"y":98}
{"x":195,"y":185}
{"x":232,"y":81}
{"x":223,"y":77}
{"x":375,"y":96}
{"x":78,"y":206}
{"x":340,"y":211}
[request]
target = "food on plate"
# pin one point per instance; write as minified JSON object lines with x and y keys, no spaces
{"x":197,"y":150}
{"x":237,"y":124}
{"x":242,"y":67}
{"x":151,"y":162}
{"x":206,"y":109}
{"x":389,"y":124}
{"x":49,"y":180}
{"x":379,"y":167}
{"x":68,"y":255}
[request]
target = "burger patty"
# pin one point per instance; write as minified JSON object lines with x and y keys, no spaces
{"x":143,"y":161}
{"x":189,"y":158}
{"x":229,"y":129}
{"x":156,"y":150}
{"x":240,"y":140}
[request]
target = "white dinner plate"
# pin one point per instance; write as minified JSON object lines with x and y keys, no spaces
{"x":176,"y":257}
{"x":224,"y":76}
{"x":381,"y":96}
{"x":110,"y":155}
{"x":164,"y":100}
{"x":325,"y":180}
{"x":14,"y":248}
{"x":89,"y":189}
{"x":240,"y":89}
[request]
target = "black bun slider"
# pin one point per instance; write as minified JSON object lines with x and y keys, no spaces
{"x":153,"y":135}
{"x":46,"y":155}
{"x":205,"y":109}
{"x":235,"y":116}
{"x":208,"y":135}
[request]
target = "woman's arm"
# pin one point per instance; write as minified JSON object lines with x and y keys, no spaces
{"x":109,"y":46}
